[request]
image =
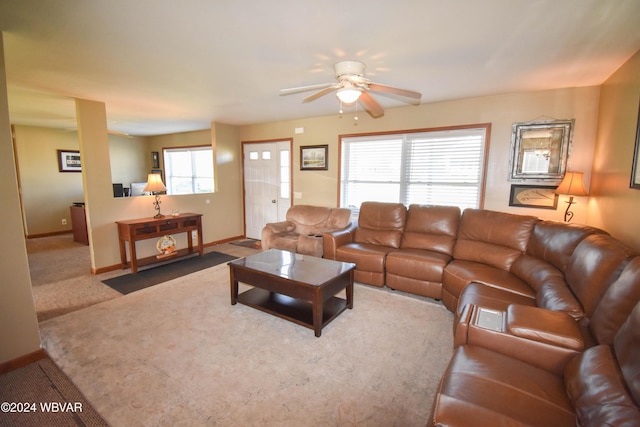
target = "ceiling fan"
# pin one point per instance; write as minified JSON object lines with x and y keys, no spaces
{"x":352,"y":86}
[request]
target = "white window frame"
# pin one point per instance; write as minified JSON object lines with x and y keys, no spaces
{"x":194,"y":174}
{"x":458,"y":182}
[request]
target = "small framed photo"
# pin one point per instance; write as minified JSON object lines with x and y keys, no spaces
{"x":69,"y":161}
{"x":155,"y":160}
{"x":534,"y":196}
{"x":314,"y":157}
{"x":635,"y":167}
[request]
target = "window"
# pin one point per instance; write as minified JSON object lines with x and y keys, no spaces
{"x":439,"y":167}
{"x":189,"y":170}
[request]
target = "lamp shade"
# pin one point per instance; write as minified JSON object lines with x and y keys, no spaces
{"x":572,"y":184}
{"x":154,"y":184}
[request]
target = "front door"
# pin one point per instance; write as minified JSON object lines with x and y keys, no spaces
{"x":267,"y":184}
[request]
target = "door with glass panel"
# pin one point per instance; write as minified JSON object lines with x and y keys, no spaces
{"x":266,"y":183}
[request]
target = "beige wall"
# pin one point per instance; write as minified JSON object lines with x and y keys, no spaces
{"x":321,"y":187}
{"x":18,"y":322}
{"x":613,"y":205}
{"x":130,"y":159}
{"x":47,"y":193}
{"x":222,"y":210}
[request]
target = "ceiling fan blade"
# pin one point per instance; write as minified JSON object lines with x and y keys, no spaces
{"x":377,"y":87}
{"x":293,"y":90}
{"x":323,"y":92}
{"x":371,"y":105}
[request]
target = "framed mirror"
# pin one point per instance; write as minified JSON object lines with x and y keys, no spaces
{"x":539,"y":150}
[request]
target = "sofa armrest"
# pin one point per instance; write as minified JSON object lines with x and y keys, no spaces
{"x":273,"y":228}
{"x":547,"y":356}
{"x":335,"y":239}
{"x":280,"y":227}
{"x":545,"y":326}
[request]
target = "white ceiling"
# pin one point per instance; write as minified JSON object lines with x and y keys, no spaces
{"x":163,"y":66}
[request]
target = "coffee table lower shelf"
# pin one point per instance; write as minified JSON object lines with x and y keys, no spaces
{"x":292,"y":309}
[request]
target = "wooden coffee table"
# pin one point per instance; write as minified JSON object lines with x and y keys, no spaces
{"x":298,"y":288}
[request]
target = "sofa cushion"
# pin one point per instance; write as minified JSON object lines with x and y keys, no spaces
{"x":432,"y":228}
{"x":554,"y":241}
{"x":286,"y":241}
{"x":381,"y":224}
{"x":484,"y":387}
{"x":458,"y":274}
{"x":616,"y":304}
{"x":596,"y":388}
{"x":417,"y":264}
{"x":595,"y":264}
{"x":367,"y":257}
{"x":492,"y":238}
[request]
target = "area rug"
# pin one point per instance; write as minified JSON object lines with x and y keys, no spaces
{"x":42,"y":395}
{"x":248,"y":243}
{"x":128,"y":283}
{"x":180,"y":354}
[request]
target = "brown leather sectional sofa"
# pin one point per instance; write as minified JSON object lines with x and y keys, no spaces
{"x":538,"y":310}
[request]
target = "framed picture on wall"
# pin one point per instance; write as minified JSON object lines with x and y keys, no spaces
{"x":635,"y":167}
{"x":533,"y":196}
{"x":314,"y":157}
{"x":155,"y":159}
{"x":69,"y":161}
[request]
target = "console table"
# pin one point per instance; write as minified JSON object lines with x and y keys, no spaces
{"x":133,"y":230}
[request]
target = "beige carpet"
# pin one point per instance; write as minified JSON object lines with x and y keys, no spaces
{"x":61,"y":274}
{"x":179,"y":354}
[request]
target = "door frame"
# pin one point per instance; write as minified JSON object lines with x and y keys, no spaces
{"x":263,"y":141}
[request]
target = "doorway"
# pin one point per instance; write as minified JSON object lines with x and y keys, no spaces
{"x":266,"y":182}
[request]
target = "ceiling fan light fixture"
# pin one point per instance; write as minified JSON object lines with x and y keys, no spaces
{"x":348,"y":95}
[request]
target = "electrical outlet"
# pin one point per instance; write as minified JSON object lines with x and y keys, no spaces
{"x":64,"y":221}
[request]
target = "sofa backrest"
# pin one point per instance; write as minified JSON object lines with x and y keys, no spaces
{"x":493,"y":238}
{"x":554,"y":242}
{"x":338,"y":218}
{"x":616,"y":304}
{"x":595,"y":264}
{"x":318,"y":219}
{"x":381,"y":223}
{"x":431,"y":228}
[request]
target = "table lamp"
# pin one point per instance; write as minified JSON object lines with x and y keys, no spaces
{"x":572,"y":185}
{"x":155,"y":186}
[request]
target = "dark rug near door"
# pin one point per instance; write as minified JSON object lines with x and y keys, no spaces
{"x":248,"y":243}
{"x":143,"y":279}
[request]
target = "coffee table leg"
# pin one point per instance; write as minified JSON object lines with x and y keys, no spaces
{"x":234,"y":286}
{"x":349,"y":292}
{"x":317,"y":314}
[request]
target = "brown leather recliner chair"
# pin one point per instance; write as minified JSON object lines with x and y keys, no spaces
{"x":303,"y":229}
{"x":378,"y":232}
{"x":427,"y":246}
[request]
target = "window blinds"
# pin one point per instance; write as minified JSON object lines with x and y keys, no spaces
{"x":435,"y":168}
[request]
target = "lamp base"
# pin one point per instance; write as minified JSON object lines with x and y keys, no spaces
{"x":568,"y":214}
